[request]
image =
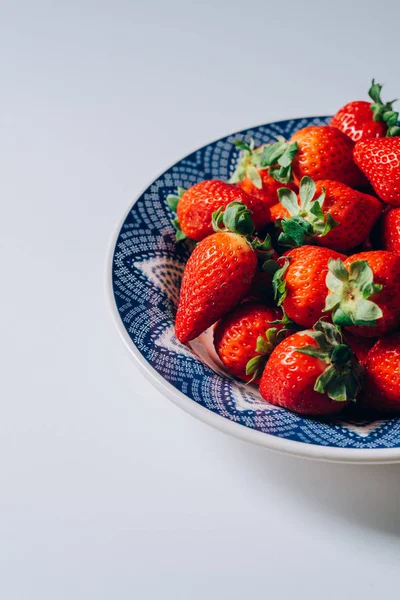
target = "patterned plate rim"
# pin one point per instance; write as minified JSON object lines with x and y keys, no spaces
{"x":294,"y":448}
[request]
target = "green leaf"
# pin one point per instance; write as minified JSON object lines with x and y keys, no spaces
{"x":287,"y":157}
{"x":306,"y":191}
{"x":264,"y":246}
{"x":325,"y":379}
{"x":361,"y":274}
{"x":393,"y":131}
{"x":336,"y":390}
{"x":217,"y":219}
{"x":272,"y":152}
{"x":375,"y":92}
{"x":262,"y":345}
{"x":255,"y":367}
{"x":390,"y":118}
{"x":271,"y":335}
{"x":295,"y":232}
{"x":332,"y":300}
{"x":179,"y":235}
{"x":367,"y":312}
{"x":288,"y":199}
{"x":330,"y":224}
{"x":341,"y":354}
{"x":270,"y":266}
{"x":279,"y":283}
{"x":331,"y":332}
{"x":173,"y":202}
{"x":315,"y":352}
{"x":242,"y":145}
{"x":254,"y":176}
{"x":337,"y":268}
{"x":316,"y":210}
{"x":341,"y":318}
{"x":181,"y":191}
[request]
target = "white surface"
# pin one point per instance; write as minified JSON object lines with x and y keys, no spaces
{"x":107,"y":490}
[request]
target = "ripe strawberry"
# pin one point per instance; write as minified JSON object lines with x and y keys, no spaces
{"x":312,"y":372}
{"x":278,"y":212}
{"x":196,"y":205}
{"x":245,"y":338}
{"x":365,"y":293}
{"x":362,"y":120}
{"x":300,"y":285}
{"x":379,"y":159}
{"x":339,"y":218}
{"x":390,"y":231}
{"x":382,"y":375}
{"x":255,"y":175}
{"x":218,"y":273}
{"x":360,"y":346}
{"x":325,"y":152}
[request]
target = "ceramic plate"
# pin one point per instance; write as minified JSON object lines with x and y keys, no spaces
{"x":144,"y":271}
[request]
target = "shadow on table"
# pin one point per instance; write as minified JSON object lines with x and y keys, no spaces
{"x":368,"y":495}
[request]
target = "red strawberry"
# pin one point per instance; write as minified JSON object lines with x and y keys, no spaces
{"x":253,"y":174}
{"x":390,"y":231}
{"x":362,"y":120}
{"x":300,"y":285}
{"x":365,"y":293}
{"x":379,"y":159}
{"x":330,"y":213}
{"x":382,"y":375}
{"x":278,"y":212}
{"x":245,"y":338}
{"x":312,"y":372}
{"x":325,"y":152}
{"x":360,"y":346}
{"x":196,"y":205}
{"x":218,"y":273}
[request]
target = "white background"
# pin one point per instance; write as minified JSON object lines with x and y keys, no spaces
{"x":107,"y":490}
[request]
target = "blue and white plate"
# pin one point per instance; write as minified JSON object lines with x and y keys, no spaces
{"x":143,"y":277}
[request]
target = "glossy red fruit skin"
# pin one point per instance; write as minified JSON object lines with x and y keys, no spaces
{"x":386,"y":269}
{"x":355,"y":119}
{"x":269,"y":191}
{"x":390,"y":231}
{"x":305,"y":283}
{"x":217,"y":276}
{"x":355,"y":212}
{"x":379,"y":159}
{"x":289,"y":377}
{"x":382,"y":375}
{"x":326,"y":153}
{"x":235,"y":335}
{"x":278,"y":212}
{"x":197,"y":204}
{"x":359,"y":346}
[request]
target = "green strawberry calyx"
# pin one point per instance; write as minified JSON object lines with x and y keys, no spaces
{"x":341,"y":380}
{"x":276,"y":158}
{"x":350,"y":293}
{"x":307,"y":219}
{"x":384,"y":112}
{"x":279,"y":282}
{"x":173,"y":201}
{"x":264,"y":348}
{"x":235,"y":217}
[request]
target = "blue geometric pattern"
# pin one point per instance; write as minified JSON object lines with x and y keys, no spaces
{"x":146,"y":273}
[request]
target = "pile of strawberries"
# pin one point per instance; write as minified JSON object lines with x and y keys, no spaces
{"x":297,"y":262}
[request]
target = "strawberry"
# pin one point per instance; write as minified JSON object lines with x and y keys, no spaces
{"x":362,"y":120}
{"x":382,"y":375}
{"x":365,"y":293}
{"x":195,"y":206}
{"x":379,"y":159}
{"x":218,"y":273}
{"x":312,"y":372}
{"x":299,"y":284}
{"x":278,"y":212}
{"x":390,"y":231}
{"x":245,"y":338}
{"x":321,"y":152}
{"x":360,"y":346}
{"x":339,"y":218}
{"x":257,"y":176}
